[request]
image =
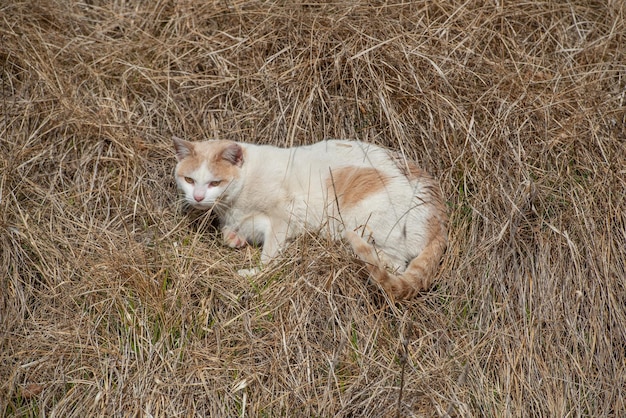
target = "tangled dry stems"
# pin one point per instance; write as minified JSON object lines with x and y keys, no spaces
{"x":117,"y":301}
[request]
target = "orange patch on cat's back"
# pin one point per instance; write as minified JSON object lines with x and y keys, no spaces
{"x":412,"y":171}
{"x":350,"y":185}
{"x":408,"y":168}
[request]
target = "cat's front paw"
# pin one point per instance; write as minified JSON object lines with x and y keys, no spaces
{"x":233,"y":239}
{"x":249,"y":272}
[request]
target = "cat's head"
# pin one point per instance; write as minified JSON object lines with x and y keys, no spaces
{"x":208,"y":171}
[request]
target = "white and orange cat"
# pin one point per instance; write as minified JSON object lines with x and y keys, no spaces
{"x":385,"y":206}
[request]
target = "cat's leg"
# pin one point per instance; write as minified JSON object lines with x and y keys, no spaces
{"x":386,"y":254}
{"x":274,"y":240}
{"x":274,"y":233}
{"x":239,"y":230}
{"x":232,"y":238}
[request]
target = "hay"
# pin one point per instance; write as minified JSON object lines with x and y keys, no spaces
{"x":117,"y":301}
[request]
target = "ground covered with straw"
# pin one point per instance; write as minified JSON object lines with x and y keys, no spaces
{"x":118,"y":300}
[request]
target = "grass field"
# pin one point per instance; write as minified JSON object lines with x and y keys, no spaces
{"x":118,"y":301}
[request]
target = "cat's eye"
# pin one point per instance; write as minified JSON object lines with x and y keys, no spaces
{"x":215,"y":183}
{"x":189,"y":180}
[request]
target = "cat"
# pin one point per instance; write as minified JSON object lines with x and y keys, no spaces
{"x":388,"y":209}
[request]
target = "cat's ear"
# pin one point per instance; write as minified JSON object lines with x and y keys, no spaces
{"x":183,"y":148}
{"x":233,"y":154}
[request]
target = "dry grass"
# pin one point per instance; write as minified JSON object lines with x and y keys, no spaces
{"x":117,"y":301}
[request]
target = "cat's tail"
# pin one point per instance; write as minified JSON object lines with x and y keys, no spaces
{"x":419,"y":274}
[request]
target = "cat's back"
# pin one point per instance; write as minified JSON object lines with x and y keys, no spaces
{"x":339,"y":152}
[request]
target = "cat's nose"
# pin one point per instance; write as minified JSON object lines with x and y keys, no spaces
{"x":198,"y":195}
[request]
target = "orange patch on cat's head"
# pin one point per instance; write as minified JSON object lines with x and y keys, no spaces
{"x":350,"y":185}
{"x":223,"y":158}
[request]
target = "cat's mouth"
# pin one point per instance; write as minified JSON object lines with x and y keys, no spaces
{"x":202,"y":205}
